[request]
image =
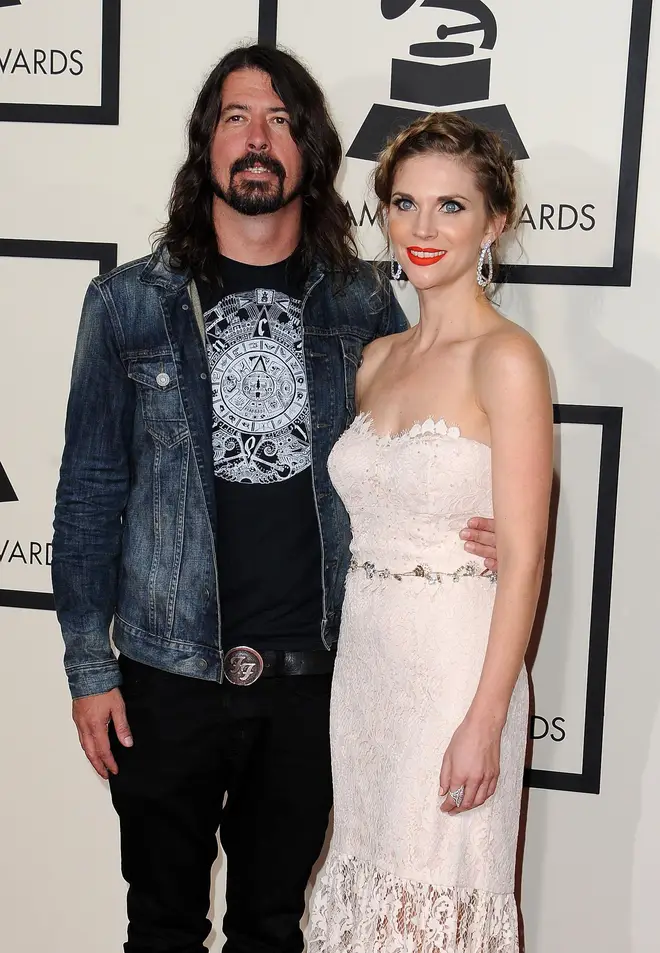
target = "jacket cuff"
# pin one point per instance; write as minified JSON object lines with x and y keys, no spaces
{"x":94,"y":678}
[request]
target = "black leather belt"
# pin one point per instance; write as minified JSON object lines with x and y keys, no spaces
{"x":244,"y":665}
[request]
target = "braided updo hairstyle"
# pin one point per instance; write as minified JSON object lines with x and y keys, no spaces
{"x":449,"y":134}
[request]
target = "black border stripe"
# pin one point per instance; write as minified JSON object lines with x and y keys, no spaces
{"x":631,"y":144}
{"x":106,"y":255}
{"x":268,"y":22}
{"x":110,"y":63}
{"x":19,"y":599}
{"x":601,"y":596}
{"x":107,"y":114}
{"x":588,"y":781}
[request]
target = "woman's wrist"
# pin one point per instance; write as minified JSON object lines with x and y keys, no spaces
{"x":487,"y":714}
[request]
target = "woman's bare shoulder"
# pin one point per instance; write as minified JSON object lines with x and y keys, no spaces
{"x":374,"y":356}
{"x":380,"y":348}
{"x":506,"y":347}
{"x":511,"y":373}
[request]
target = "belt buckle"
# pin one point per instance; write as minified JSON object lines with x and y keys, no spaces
{"x":243,"y":665}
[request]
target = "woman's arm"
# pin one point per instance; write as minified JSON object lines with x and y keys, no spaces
{"x":514,"y":392}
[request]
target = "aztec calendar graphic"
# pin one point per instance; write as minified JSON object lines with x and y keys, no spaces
{"x":260,"y":408}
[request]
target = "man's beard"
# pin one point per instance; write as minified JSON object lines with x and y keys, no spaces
{"x":254,"y":197}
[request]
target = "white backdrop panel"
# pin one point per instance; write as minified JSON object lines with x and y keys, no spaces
{"x":563,"y":91}
{"x":51,"y":53}
{"x":38,"y":341}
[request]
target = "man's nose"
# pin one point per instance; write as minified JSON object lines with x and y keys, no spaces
{"x":258,"y":138}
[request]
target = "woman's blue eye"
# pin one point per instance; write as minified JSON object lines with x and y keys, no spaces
{"x":404,"y":204}
{"x":452,"y":206}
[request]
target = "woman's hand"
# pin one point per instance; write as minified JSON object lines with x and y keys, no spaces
{"x":471,"y":762}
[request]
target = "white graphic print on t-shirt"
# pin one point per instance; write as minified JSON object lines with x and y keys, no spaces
{"x":261,"y":417}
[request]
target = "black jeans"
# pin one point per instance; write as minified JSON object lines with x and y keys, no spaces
{"x":252,"y":761}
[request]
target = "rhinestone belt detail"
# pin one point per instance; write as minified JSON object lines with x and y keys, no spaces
{"x":423,"y":571}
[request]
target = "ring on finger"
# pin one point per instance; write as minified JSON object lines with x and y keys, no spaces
{"x":457,"y":795}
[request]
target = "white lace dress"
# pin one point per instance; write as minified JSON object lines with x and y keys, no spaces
{"x":402,"y":877}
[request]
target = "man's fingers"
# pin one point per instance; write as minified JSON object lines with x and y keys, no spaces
{"x":482,"y":523}
{"x":478,"y":537}
{"x":477,"y":549}
{"x":102,"y":745}
{"x":92,"y":715}
{"x":119,"y":720}
{"x":89,"y":747}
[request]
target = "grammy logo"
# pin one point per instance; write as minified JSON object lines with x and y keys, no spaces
{"x":7,"y":491}
{"x":440,"y":85}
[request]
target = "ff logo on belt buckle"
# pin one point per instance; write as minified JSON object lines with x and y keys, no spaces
{"x":243,"y":665}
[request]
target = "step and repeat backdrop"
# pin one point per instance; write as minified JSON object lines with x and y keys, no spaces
{"x":93,"y":103}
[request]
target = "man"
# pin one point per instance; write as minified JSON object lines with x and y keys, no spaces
{"x":195,"y":513}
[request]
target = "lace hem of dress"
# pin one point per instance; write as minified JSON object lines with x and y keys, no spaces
{"x":360,"y":909}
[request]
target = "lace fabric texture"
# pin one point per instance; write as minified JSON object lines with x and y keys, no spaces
{"x":402,"y":877}
{"x":369,"y":911}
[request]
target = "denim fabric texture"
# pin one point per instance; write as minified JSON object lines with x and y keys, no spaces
{"x":135,"y":516}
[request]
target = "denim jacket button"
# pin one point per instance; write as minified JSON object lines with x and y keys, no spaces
{"x":162,"y":379}
{"x":203,"y":376}
{"x":201,"y":664}
{"x":184,"y":307}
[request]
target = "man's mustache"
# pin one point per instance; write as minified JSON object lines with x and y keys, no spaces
{"x":265,"y":161}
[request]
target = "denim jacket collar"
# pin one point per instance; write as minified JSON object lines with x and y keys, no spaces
{"x":159,"y":271}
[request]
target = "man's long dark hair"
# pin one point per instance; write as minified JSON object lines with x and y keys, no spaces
{"x":189,"y":234}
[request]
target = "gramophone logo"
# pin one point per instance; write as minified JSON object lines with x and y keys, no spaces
{"x":440,"y":84}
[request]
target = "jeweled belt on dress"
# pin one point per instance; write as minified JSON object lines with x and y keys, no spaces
{"x":471,"y":569}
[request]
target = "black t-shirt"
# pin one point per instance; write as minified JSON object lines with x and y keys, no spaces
{"x":269,"y":546}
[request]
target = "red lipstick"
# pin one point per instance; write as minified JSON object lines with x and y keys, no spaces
{"x":425,"y":256}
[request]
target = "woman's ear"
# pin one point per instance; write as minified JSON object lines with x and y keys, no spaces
{"x":495,"y":229}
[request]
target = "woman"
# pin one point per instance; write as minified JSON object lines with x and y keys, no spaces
{"x":429,"y":710}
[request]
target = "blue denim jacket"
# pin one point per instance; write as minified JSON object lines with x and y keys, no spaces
{"x":135,"y":516}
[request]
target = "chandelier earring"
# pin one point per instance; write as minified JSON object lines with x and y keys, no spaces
{"x":485,"y":268}
{"x":395,"y":268}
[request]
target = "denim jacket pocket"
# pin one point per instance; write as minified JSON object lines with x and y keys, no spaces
{"x":352,"y":353}
{"x":158,"y":388}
